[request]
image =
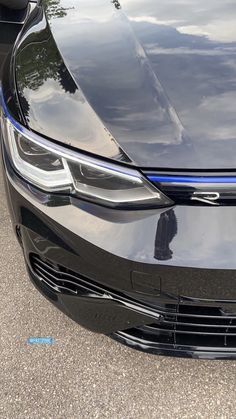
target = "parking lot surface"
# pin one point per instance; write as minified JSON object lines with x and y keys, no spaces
{"x":84,"y":375}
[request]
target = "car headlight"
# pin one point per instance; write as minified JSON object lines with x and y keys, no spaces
{"x":55,"y":168}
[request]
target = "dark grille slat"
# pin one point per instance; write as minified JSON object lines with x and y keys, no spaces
{"x":59,"y":274}
{"x":220,"y":326}
{"x":187,"y":332}
{"x":54,"y":277}
{"x":50,"y":283}
{"x":58,"y":288}
{"x":199,"y":316}
{"x":54,"y":270}
{"x":191,"y":326}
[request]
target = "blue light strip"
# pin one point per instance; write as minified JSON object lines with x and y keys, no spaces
{"x":191,"y":179}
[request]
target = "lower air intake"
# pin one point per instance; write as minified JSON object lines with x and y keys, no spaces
{"x":189,"y":326}
{"x":56,"y":277}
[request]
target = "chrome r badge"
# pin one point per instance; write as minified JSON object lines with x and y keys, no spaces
{"x":206,"y":197}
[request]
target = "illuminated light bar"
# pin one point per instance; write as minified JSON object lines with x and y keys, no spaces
{"x":191,"y":179}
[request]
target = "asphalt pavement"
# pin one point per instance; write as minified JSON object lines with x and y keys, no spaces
{"x":85,"y":375}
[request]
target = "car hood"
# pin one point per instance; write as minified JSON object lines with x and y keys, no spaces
{"x":149,"y":82}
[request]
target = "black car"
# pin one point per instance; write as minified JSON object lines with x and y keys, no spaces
{"x":118,"y":143}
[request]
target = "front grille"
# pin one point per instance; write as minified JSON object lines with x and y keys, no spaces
{"x":196,"y":188}
{"x":189,"y":326}
{"x":181,"y":326}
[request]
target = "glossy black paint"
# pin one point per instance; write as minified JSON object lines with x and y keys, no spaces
{"x":153,"y":83}
{"x":70,"y":87}
{"x":45,"y":85}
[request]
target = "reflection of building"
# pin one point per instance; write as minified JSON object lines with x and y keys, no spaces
{"x":166,"y":231}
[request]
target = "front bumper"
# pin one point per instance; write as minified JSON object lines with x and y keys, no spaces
{"x":159,"y":281}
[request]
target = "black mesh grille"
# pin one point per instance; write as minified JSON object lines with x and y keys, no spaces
{"x":195,"y":326}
